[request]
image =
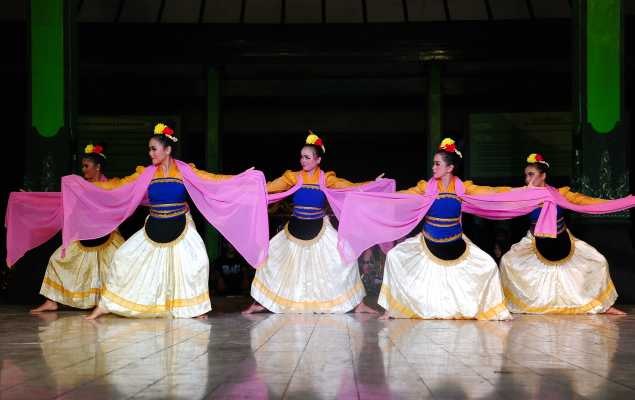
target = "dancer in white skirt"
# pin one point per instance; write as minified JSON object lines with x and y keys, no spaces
{"x":163,"y":269}
{"x":440,"y":273}
{"x":76,"y":279}
{"x":304,"y":272}
{"x":561,"y":275}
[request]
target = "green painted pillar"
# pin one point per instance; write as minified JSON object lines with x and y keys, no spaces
{"x":212,"y":150}
{"x":601,"y":137}
{"x":434,"y":110}
{"x":52,"y":38}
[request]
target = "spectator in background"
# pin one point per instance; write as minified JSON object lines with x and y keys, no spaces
{"x":371,"y":270}
{"x":231,"y":276}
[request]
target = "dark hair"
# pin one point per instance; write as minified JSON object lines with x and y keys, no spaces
{"x":450,"y":158}
{"x":316,"y":149}
{"x":165,"y":141}
{"x":96,"y":159}
{"x":541,"y":167}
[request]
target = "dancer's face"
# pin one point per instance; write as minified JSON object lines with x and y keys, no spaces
{"x":533,"y":176}
{"x":308,"y":159}
{"x":440,"y":168}
{"x":158,"y":153}
{"x":90,"y":170}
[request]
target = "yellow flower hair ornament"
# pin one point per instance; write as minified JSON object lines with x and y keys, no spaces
{"x":534,"y":158}
{"x":449,"y":145}
{"x":315,"y":140}
{"x":92,"y":149}
{"x":163,"y":129}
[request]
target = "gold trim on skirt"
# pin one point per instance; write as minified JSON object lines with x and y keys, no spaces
{"x":76,"y":279}
{"x":418,"y":285}
{"x":307,"y":276}
{"x":579,"y":284}
{"x":170,"y":280}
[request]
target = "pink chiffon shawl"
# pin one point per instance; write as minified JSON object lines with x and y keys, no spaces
{"x":31,"y":219}
{"x":378,"y":218}
{"x":336,"y":197}
{"x":236,"y":207}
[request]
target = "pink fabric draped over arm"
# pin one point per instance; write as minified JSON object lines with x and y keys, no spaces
{"x":368,"y":219}
{"x":276,"y":197}
{"x":524,"y":200}
{"x":91,"y":212}
{"x":236,"y":207}
{"x":336,"y":197}
{"x":605,"y":207}
{"x":31,"y":219}
{"x":372,"y":218}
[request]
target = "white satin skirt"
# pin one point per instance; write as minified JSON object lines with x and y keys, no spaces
{"x":76,"y":279}
{"x":307,"y":276}
{"x":418,"y":284}
{"x":578,"y":284}
{"x":150,"y":279}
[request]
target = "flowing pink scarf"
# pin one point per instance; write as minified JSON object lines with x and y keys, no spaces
{"x":336,"y":197}
{"x":373,"y":218}
{"x":32,"y":218}
{"x":236,"y":207}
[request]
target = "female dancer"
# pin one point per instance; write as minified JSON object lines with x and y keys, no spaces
{"x":304,"y":272}
{"x":558,"y":275}
{"x":440,"y":273}
{"x":75,"y":279}
{"x":162,"y":270}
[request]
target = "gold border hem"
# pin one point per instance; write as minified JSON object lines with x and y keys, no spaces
{"x":294,"y":305}
{"x":584,"y":309}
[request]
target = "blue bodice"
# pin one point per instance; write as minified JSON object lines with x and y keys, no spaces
{"x":309,"y":202}
{"x":442,"y":223}
{"x":167,"y":198}
{"x":533,"y":218}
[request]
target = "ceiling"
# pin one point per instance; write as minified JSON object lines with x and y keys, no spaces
{"x":306,"y":11}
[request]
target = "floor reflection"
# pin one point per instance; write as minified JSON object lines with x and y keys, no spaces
{"x":564,"y":356}
{"x":348,"y":356}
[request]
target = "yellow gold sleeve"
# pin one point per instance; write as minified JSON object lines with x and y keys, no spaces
{"x":332,"y":181}
{"x":115,"y":183}
{"x":419,"y":189}
{"x":472,"y":189}
{"x":578,"y":198}
{"x":208,"y":175}
{"x":285,"y":182}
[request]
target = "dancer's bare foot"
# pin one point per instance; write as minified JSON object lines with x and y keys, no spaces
{"x":202,"y":316}
{"x":253,"y":308}
{"x":385,"y":316}
{"x":363,"y":308}
{"x":48,"y":305}
{"x":614,"y":311}
{"x":97,"y":312}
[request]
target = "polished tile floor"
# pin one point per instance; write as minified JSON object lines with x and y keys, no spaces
{"x":267,"y":356}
